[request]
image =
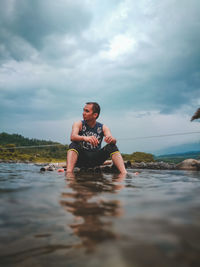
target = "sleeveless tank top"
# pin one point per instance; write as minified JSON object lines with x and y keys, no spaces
{"x":97,"y":131}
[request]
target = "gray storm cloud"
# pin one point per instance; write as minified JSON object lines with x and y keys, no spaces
{"x":136,"y":55}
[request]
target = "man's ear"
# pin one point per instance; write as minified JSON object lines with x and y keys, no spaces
{"x":96,"y":115}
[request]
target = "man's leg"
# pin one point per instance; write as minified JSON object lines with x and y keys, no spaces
{"x":112,"y":151}
{"x":72,"y":157}
{"x":118,"y":162}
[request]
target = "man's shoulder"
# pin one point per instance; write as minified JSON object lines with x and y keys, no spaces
{"x":77,"y":124}
{"x":99,"y":124}
{"x":105,"y":128}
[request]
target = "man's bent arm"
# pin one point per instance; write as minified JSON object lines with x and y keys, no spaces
{"x":108,"y":136}
{"x":75,"y":130}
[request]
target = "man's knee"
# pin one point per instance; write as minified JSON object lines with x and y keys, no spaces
{"x":111,"y":149}
{"x":76,"y":147}
{"x":71,"y":152}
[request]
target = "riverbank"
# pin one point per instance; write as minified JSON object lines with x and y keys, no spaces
{"x":109,"y":167}
{"x":32,"y":162}
{"x":188,"y":164}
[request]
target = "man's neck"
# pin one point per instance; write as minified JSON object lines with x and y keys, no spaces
{"x":91,"y":123}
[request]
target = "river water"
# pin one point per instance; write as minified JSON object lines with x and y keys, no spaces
{"x":149,"y":219}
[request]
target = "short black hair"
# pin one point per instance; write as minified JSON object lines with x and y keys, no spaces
{"x":95,"y":107}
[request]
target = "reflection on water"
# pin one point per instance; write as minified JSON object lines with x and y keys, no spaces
{"x":152,"y":219}
{"x":92,"y":212}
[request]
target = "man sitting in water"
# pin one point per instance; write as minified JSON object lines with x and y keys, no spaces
{"x":87,"y":135}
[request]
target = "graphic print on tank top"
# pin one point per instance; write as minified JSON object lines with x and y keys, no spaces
{"x":97,"y":131}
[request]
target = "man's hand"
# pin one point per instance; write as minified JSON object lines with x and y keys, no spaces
{"x":109,"y":139}
{"x":92,"y":140}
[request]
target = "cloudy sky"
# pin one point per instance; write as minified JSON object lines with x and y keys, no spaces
{"x":140,"y":59}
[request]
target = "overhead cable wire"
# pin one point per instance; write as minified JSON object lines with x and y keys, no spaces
{"x":122,"y":139}
{"x":155,"y":136}
{"x":19,"y":147}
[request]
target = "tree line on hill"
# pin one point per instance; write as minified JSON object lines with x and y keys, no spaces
{"x":42,"y":152}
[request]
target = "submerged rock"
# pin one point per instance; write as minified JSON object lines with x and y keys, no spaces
{"x":154,"y":165}
{"x":189,"y":164}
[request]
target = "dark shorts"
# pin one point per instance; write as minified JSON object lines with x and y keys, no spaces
{"x":92,"y":158}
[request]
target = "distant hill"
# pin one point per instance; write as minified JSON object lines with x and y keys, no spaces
{"x":19,"y":140}
{"x":178,"y":157}
{"x":183,"y":148}
{"x":36,"y":150}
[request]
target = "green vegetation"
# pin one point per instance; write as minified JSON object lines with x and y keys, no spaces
{"x":10,"y":143}
{"x":139,"y":157}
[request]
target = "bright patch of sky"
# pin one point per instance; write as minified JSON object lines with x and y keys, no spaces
{"x":119,"y":46}
{"x":139,"y":59}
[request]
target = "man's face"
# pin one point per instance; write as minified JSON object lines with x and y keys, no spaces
{"x":88,"y":113}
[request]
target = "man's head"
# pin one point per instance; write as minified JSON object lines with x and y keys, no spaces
{"x":95,"y":107}
{"x":91,"y":111}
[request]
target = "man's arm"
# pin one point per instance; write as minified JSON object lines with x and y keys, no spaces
{"x":78,"y":138}
{"x":108,"y":136}
{"x":76,"y":127}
